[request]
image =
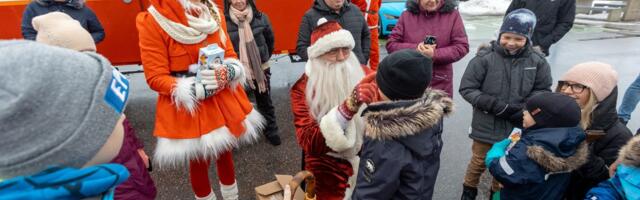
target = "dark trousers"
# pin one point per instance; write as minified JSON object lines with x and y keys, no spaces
{"x":265,"y":105}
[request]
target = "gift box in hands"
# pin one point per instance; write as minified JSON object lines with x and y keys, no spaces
{"x":209,"y":57}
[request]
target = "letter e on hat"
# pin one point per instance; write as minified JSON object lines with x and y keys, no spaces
{"x":117,"y":93}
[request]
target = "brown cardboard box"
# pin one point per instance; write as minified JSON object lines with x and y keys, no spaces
{"x":274,"y":190}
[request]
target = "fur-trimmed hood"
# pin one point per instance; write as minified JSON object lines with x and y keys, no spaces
{"x":447,"y":6}
{"x":630,"y":153}
{"x":396,"y":119}
{"x":557,"y":149}
{"x":77,"y":4}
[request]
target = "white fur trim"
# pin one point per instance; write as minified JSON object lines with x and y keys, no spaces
{"x":175,"y":152}
{"x":355,"y":162}
{"x":182,"y":95}
{"x":341,"y":38}
{"x":335,"y":137}
{"x":240,"y":77}
{"x":229,"y":192}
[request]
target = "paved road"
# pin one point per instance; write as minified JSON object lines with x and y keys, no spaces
{"x":256,"y":164}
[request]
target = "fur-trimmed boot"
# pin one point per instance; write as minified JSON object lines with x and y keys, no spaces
{"x":469,"y":193}
{"x":211,"y":196}
{"x":229,"y":192}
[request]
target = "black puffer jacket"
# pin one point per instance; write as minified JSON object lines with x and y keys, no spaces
{"x":400,"y":155}
{"x":349,"y":17}
{"x":603,"y":152}
{"x":509,"y":79}
{"x":555,"y":19}
{"x":260,"y":26}
{"x":74,"y":8}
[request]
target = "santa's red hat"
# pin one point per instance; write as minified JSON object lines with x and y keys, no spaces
{"x":328,"y":35}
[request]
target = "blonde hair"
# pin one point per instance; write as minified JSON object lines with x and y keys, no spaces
{"x":587,"y":110}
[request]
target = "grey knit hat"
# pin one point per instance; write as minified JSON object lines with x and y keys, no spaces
{"x":57,"y":106}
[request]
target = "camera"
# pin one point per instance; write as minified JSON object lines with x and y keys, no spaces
{"x":430,"y":39}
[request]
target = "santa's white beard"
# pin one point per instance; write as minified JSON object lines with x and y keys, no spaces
{"x":330,"y":84}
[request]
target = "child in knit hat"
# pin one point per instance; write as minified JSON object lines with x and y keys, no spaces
{"x":538,"y":165}
{"x":625,"y":183}
{"x":593,"y":85}
{"x":54,"y":121}
{"x":497,"y":82}
{"x":400,"y":155}
{"x":59,"y":29}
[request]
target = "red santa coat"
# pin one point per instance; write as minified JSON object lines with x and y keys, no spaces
{"x":330,"y":152}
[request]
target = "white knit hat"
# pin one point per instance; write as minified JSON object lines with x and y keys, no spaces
{"x":59,"y":29}
{"x":599,"y":77}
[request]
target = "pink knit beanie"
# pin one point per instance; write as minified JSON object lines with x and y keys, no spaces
{"x":59,"y":29}
{"x":599,"y":77}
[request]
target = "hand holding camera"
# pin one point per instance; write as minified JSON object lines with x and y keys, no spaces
{"x":428,"y":46}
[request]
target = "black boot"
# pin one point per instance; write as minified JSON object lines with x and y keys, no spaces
{"x":469,"y":193}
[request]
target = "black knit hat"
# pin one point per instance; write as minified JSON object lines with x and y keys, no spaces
{"x":404,"y":74}
{"x":553,"y":110}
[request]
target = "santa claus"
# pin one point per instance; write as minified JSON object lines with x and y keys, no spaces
{"x":196,"y":121}
{"x":324,"y":102}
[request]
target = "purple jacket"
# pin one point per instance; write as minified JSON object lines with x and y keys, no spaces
{"x":446,"y":24}
{"x":139,"y":186}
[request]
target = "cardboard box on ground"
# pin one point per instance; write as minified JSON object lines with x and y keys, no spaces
{"x":275,"y":189}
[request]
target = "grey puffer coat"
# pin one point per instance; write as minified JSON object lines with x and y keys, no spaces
{"x":349,"y":17}
{"x":511,"y":79}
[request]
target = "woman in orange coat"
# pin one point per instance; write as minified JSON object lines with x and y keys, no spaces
{"x":196,"y":121}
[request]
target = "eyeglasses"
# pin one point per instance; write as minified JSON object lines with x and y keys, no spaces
{"x":575,"y":88}
{"x":335,"y":51}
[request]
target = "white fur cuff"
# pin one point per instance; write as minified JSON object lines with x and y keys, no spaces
{"x":183,"y":96}
{"x":335,"y":137}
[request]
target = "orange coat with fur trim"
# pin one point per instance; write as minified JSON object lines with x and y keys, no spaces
{"x":219,"y":122}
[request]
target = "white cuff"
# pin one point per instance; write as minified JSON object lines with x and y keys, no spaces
{"x":337,"y":138}
{"x":182,"y":95}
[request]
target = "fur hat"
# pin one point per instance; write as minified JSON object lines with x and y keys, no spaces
{"x":520,"y":21}
{"x":597,"y":76}
{"x":553,"y":110}
{"x":630,"y":153}
{"x":328,"y":35}
{"x":404,"y":75}
{"x":59,"y":29}
{"x":59,"y":106}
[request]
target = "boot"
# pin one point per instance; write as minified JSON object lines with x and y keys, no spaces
{"x":229,"y":192}
{"x":272,"y":135}
{"x":211,"y":196}
{"x":469,"y":193}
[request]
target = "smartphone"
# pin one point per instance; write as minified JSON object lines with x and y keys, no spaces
{"x":430,"y":39}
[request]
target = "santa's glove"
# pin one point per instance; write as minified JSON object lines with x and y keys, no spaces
{"x":365,"y":92}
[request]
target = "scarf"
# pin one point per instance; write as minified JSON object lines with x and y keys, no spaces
{"x":198,"y":29}
{"x":249,"y":53}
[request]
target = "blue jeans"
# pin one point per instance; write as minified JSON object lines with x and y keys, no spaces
{"x":630,"y":100}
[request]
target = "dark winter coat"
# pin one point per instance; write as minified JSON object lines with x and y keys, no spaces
{"x":554,"y":19}
{"x":349,"y":17}
{"x":74,"y":8}
{"x":539,"y":165}
{"x":261,"y":28}
{"x":139,"y":186}
{"x":400,"y":156}
{"x":511,"y":79}
{"x":446,"y":24}
{"x":604,"y":151}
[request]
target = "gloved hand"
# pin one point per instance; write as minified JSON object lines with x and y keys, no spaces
{"x":486,"y":103}
{"x":516,"y":119}
{"x":497,"y":150}
{"x":365,"y":92}
{"x":509,"y":110}
{"x":213,"y":80}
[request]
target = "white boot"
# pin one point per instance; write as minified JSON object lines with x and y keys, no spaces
{"x":212,"y":196}
{"x":229,"y":192}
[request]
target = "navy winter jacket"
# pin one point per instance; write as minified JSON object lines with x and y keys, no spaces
{"x":400,"y":155}
{"x":74,"y":8}
{"x":539,"y":165}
